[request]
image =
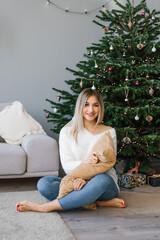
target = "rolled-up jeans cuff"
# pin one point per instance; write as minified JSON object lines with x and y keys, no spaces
{"x":59,"y":200}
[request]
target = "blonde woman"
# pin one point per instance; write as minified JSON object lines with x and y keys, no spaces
{"x":76,"y":140}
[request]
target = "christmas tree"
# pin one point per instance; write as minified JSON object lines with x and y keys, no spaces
{"x":125,"y":67}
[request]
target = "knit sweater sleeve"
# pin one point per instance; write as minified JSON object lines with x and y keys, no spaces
{"x":67,"y":158}
{"x":114,"y":138}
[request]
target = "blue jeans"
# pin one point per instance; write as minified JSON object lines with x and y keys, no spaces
{"x":101,"y":187}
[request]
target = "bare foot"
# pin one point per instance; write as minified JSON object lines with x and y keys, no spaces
{"x":26,"y":206}
{"x":115,"y":202}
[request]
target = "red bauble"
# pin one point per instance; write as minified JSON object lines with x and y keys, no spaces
{"x":137,"y":83}
{"x":47,"y":115}
{"x":143,"y":13}
{"x":110,"y":69}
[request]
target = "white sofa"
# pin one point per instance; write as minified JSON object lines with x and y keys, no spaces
{"x":36,"y":156}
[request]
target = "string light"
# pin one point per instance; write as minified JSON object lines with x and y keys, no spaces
{"x":103,"y":8}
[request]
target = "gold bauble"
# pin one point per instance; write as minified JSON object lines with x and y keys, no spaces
{"x":147,"y":76}
{"x":140,"y":46}
{"x":149,"y":118}
{"x":106,"y":29}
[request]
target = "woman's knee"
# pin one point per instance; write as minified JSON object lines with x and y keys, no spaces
{"x":103,"y":180}
{"x":44,"y":183}
{"x":41,"y":184}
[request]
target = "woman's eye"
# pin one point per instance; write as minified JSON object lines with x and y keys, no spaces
{"x":96,"y":105}
{"x":86,"y":104}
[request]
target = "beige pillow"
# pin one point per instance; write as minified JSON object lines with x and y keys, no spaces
{"x":15,"y":123}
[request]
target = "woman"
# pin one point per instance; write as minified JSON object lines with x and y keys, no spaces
{"x":76,"y":140}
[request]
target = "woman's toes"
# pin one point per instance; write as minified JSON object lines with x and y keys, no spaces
{"x":23,"y":206}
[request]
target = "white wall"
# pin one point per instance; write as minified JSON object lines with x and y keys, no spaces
{"x":37,"y":43}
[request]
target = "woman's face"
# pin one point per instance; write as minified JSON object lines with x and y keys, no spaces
{"x":91,"y":109}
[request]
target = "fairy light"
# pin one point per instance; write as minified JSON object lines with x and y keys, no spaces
{"x":103,"y":8}
{"x":66,"y":9}
{"x":47,"y":2}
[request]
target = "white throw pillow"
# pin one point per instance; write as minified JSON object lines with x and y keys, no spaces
{"x":15,"y":123}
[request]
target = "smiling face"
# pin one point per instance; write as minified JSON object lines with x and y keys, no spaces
{"x":91,"y":109}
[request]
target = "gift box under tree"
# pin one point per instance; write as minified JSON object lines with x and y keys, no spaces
{"x":128,"y":180}
{"x":154,"y":180}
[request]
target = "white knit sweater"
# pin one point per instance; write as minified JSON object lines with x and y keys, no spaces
{"x":72,"y":153}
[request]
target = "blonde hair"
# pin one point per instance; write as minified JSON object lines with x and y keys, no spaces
{"x":77,"y":121}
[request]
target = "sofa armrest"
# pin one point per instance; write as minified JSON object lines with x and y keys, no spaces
{"x":42,"y":153}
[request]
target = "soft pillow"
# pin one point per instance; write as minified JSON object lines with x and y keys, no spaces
{"x":15,"y":123}
{"x":86,"y":170}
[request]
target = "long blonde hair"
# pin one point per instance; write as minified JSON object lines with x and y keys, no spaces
{"x":77,"y":121}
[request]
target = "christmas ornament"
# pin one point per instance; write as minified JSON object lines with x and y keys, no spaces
{"x":93,"y":87}
{"x":149,"y":118}
{"x":81,"y":84}
{"x":147,"y":76}
{"x":116,"y":32}
{"x":143,"y":13}
{"x":124,"y":54}
{"x":126,"y":79}
{"x":47,"y":115}
{"x":130,"y":25}
{"x":125,"y":113}
{"x":154,"y":49}
{"x":126,"y":140}
{"x":137,"y":83}
{"x":153,"y":17}
{"x":140,"y":46}
{"x":106,"y":29}
{"x":90,"y":52}
{"x":126,"y":91}
{"x":96,"y":65}
{"x":55,"y":110}
{"x":110,"y":68}
{"x":136,"y":117}
{"x":133,"y":61}
{"x":111,"y":48}
{"x":58,"y":97}
{"x":151,"y":91}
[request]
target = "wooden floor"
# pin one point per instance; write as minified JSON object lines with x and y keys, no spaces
{"x":104,"y":223}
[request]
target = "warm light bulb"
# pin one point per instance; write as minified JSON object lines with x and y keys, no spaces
{"x":103,"y":8}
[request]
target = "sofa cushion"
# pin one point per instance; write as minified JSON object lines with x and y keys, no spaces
{"x":12,"y":159}
{"x":15,"y":123}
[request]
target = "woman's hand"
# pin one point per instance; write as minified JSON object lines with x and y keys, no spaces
{"x":78,"y":183}
{"x":94,"y":158}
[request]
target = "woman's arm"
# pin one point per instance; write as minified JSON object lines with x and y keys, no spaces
{"x":114,"y":138}
{"x":66,"y":155}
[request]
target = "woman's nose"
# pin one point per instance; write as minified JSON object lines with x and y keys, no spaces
{"x":90,"y":108}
